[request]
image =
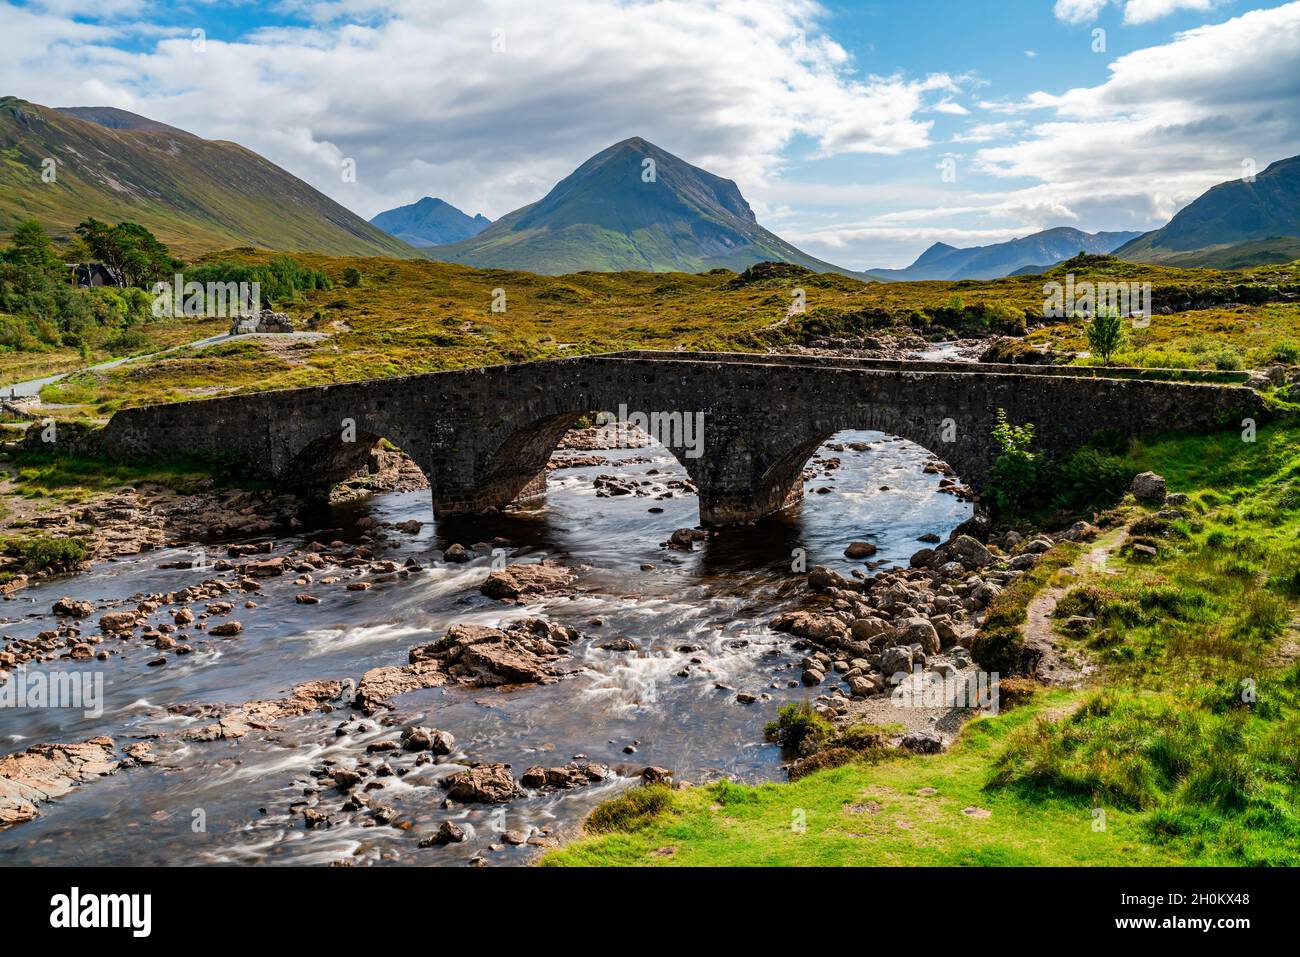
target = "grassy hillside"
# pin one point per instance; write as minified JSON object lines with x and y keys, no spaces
{"x":409,"y":316}
{"x":1234,"y":212}
{"x":1186,"y":741}
{"x":194,"y":194}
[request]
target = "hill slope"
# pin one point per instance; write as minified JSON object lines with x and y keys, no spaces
{"x":605,"y":217}
{"x":195,"y":194}
{"x":430,"y":222}
{"x":1228,"y":215}
{"x":1048,"y":247}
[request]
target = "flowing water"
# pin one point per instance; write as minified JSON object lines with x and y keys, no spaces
{"x":232,"y":801}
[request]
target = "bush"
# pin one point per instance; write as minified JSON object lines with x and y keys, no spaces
{"x":796,"y":723}
{"x":628,"y":812}
{"x":1089,"y":479}
{"x":1015,"y":472}
{"x":43,"y":553}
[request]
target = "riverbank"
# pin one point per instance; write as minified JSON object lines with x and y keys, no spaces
{"x":1179,"y":749}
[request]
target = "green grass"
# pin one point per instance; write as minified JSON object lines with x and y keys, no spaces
{"x":412,"y":316}
{"x":47,"y":476}
{"x":1186,"y":749}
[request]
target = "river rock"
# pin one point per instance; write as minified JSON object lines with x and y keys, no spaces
{"x":118,"y":621}
{"x":47,"y":771}
{"x":526,"y":579}
{"x":806,"y":624}
{"x":917,"y":631}
{"x":263,"y":715}
{"x":483,"y":784}
{"x":428,"y":739}
{"x":70,"y":608}
{"x":448,"y":833}
{"x":860,"y":550}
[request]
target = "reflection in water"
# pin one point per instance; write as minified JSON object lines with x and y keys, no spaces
{"x":698,"y":621}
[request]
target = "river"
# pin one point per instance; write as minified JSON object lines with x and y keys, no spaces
{"x":717,"y":599}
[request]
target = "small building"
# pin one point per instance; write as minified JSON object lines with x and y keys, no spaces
{"x":87,"y":275}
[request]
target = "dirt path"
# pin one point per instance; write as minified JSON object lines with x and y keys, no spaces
{"x":1058,"y":665}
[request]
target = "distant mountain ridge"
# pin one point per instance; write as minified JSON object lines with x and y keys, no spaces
{"x":1046,"y":248}
{"x":430,"y":222}
{"x":632,"y":206}
{"x":194,"y":194}
{"x":1237,"y":221}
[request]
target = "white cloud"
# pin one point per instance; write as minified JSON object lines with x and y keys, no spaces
{"x":1170,"y":121}
{"x":1135,"y":11}
{"x":412,"y":90}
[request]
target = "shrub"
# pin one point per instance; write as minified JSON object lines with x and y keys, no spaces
{"x":795,"y":723}
{"x":43,"y":553}
{"x":632,"y":810}
{"x":1015,"y":472}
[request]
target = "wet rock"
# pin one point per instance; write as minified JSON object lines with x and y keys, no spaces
{"x":684,"y":539}
{"x":573,"y":775}
{"x":618,"y":644}
{"x":655,"y":775}
{"x":428,"y":739}
{"x":483,"y":784}
{"x":263,"y":715}
{"x":526,"y":579}
{"x":378,"y":685}
{"x":47,"y":771}
{"x":456,"y":553}
{"x":448,"y":833}
{"x":524,"y":652}
{"x":860,"y":550}
{"x":227,"y":629}
{"x":69,"y":608}
{"x":809,"y":625}
{"x":118,"y":621}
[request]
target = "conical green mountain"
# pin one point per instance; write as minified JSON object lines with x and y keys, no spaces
{"x":1235,"y":223}
{"x":632,"y":206}
{"x":194,"y":194}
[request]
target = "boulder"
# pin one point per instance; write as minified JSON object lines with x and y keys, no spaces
{"x":526,"y":579}
{"x":917,"y":631}
{"x":69,"y":608}
{"x":483,"y":784}
{"x":1149,"y":488}
{"x":860,"y":550}
{"x":923,"y":742}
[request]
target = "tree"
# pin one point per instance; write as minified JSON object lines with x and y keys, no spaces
{"x":32,"y":248}
{"x":130,"y":250}
{"x":1106,"y":333}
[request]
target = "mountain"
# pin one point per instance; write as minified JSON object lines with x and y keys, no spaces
{"x":1265,"y":214}
{"x":1048,"y":247}
{"x":194,"y":194}
{"x":430,"y":222}
{"x":606,"y":217}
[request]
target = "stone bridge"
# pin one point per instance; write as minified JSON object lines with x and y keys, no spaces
{"x":483,"y":436}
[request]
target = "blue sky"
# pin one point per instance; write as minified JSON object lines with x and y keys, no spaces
{"x":836,"y":119}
